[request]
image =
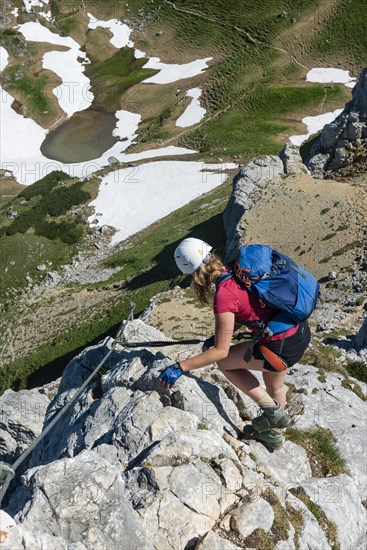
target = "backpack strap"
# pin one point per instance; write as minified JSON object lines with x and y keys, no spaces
{"x":255,"y":324}
{"x":224,"y":277}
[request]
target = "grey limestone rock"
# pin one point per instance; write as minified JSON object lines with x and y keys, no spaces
{"x":19,"y":538}
{"x":344,"y":137}
{"x":251,"y":515}
{"x":138,"y":466}
{"x":317,"y":164}
{"x":252,"y":177}
{"x":212,"y":541}
{"x":21,"y":419}
{"x":293,"y":164}
{"x":81,"y":499}
{"x":337,"y":495}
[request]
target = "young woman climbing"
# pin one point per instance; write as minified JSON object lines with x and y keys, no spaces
{"x":233,"y":306}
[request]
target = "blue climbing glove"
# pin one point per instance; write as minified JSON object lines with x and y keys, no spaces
{"x":170,"y":374}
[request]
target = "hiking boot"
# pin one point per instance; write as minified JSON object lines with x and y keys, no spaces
{"x":271,"y":417}
{"x":271,"y":438}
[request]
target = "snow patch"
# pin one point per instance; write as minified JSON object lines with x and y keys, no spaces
{"x":74,"y":93}
{"x":4,"y":58}
{"x":21,"y":155}
{"x":30,"y":4}
{"x":172,"y":72}
{"x":127,"y":125}
{"x":314,"y":124}
{"x":194,"y":113}
{"x":139,"y":54}
{"x":15,"y":12}
{"x":329,"y":75}
{"x":35,"y":32}
{"x":120,"y":31}
{"x":20,"y":151}
{"x":167,"y":72}
{"x":154,"y":190}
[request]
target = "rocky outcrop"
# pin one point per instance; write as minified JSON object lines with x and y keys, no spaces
{"x":292,"y":160}
{"x":133,"y":466}
{"x":21,"y":419}
{"x":344,"y":140}
{"x":361,"y":338}
{"x":247,"y":186}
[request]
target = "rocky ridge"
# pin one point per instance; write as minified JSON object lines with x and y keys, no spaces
{"x":275,"y":201}
{"x":343,"y":141}
{"x":131,"y":465}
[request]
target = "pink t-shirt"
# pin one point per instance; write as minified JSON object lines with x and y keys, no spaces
{"x":231,"y":297}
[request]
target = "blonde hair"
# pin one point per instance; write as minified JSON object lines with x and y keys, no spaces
{"x":202,"y":279}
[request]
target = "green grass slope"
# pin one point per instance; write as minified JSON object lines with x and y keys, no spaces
{"x":142,"y":276}
{"x":44,"y":229}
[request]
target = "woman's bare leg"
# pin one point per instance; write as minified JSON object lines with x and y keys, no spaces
{"x":274,"y":383}
{"x":236,"y":369}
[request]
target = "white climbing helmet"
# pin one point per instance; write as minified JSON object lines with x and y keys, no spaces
{"x":192,"y":253}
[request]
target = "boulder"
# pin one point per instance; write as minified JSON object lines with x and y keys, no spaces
{"x":112,"y":160}
{"x":79,"y":499}
{"x":293,"y":164}
{"x":252,"y":515}
{"x":22,"y":415}
{"x":212,"y":541}
{"x":317,"y":164}
{"x":337,"y":495}
{"x":330,"y":405}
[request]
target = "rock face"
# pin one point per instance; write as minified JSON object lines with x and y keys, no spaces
{"x":246,"y":186}
{"x":133,"y":466}
{"x":293,"y":164}
{"x":360,"y":341}
{"x":21,"y":419}
{"x":345,"y":139}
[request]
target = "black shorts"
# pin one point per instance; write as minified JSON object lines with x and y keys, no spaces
{"x":289,"y":349}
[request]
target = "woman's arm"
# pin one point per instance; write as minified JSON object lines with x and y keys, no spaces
{"x":224,"y":326}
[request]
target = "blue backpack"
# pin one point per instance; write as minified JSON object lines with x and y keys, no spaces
{"x":278,"y":282}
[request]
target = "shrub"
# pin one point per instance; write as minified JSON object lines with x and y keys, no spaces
{"x":67,"y":232}
{"x":63,"y":198}
{"x":45,"y":185}
{"x":358,"y":370}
